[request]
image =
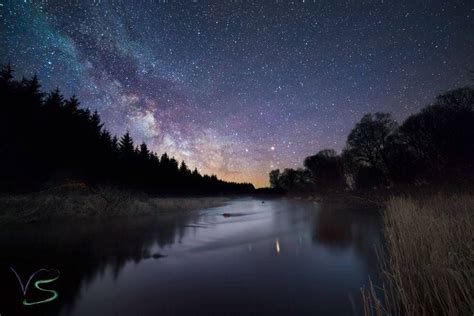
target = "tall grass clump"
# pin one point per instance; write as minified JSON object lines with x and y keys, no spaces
{"x":427,"y":266}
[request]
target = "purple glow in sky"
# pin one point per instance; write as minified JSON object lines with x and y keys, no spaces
{"x":237,"y":88}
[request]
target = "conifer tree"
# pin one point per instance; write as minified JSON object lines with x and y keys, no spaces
{"x":143,"y":152}
{"x":6,"y":75}
{"x":72,"y":104}
{"x":54,"y":99}
{"x":126,"y":145}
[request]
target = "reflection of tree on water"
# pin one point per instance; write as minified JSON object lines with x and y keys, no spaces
{"x":338,"y":228}
{"x":342,"y":230}
{"x":334,"y":227}
{"x":81,"y":252}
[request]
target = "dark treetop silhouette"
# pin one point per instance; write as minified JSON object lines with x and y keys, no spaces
{"x":433,"y":147}
{"x":47,"y":140}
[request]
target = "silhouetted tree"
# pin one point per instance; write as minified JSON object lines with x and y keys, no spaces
{"x":441,"y":137}
{"x":275,"y":179}
{"x":326,"y":170}
{"x":434,"y":146}
{"x":72,"y":105}
{"x":126,"y":146}
{"x":143,"y":153}
{"x":403,"y":164}
{"x":292,"y":180}
{"x":6,"y":76}
{"x":366,"y":147}
{"x":95,"y":123}
{"x":183,"y":168}
{"x":49,"y":140}
{"x":54,"y":99}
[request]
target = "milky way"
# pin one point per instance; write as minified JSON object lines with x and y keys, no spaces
{"x":237,"y":88}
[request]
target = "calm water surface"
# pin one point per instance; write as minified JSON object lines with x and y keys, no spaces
{"x":281,"y":257}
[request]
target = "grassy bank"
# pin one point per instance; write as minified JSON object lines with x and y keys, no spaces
{"x":76,"y":202}
{"x":427,"y":267}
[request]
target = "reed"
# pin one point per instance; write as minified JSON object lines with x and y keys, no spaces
{"x":427,"y":265}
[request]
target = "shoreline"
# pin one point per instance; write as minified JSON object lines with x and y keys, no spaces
{"x":102,"y":204}
{"x":343,"y":200}
{"x":380,"y":198}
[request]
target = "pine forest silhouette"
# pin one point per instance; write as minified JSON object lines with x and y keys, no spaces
{"x":48,"y":140}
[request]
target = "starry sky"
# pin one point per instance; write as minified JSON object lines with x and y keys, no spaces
{"x":238,"y":88}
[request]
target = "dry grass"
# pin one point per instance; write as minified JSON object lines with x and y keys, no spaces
{"x":428,"y":264}
{"x":74,"y":203}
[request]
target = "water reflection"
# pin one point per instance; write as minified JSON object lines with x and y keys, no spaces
{"x":279,"y":257}
{"x":82,"y":252}
{"x":339,"y":228}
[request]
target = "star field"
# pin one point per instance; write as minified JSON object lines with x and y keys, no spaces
{"x":237,"y":88}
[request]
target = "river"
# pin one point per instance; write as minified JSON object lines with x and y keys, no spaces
{"x":248,"y":257}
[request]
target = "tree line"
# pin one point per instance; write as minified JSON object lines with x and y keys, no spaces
{"x":434,"y":147}
{"x":47,"y":140}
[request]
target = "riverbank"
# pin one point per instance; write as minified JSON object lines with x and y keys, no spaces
{"x":345,"y":200}
{"x":427,"y":266}
{"x":380,"y":198}
{"x":80,"y":202}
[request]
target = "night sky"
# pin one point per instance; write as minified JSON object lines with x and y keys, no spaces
{"x":237,"y":88}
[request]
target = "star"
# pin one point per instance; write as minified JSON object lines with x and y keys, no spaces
{"x":201,"y":80}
